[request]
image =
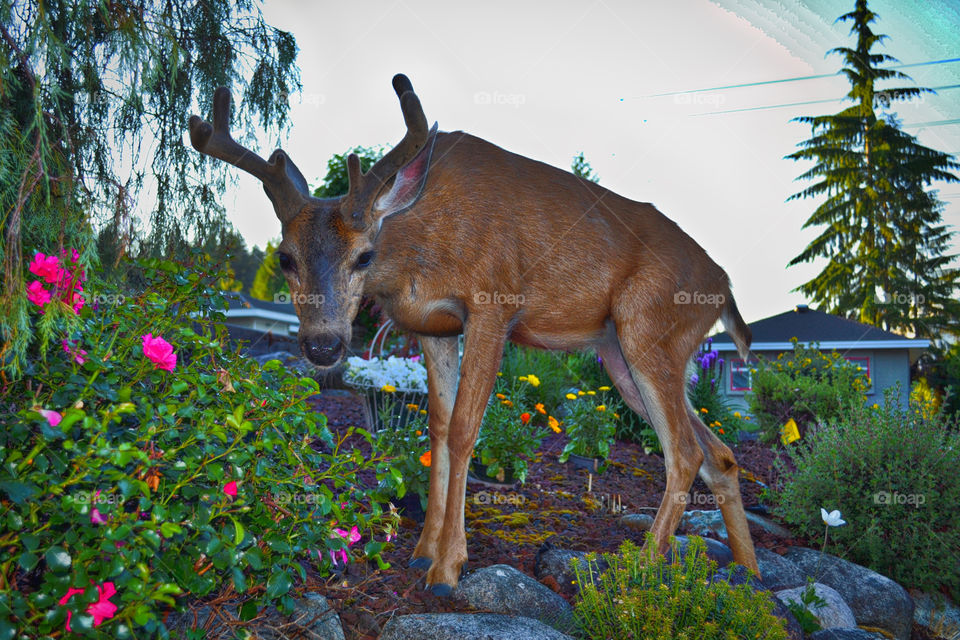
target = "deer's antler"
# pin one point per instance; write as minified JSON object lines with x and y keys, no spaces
{"x":281,"y":179}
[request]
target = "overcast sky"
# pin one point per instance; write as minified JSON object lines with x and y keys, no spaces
{"x":550,"y":79}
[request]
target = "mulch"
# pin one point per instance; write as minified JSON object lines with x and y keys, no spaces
{"x":508,"y":525}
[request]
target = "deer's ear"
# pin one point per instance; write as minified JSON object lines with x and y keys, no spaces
{"x":409,"y":182}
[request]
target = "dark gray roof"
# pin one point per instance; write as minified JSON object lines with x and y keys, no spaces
{"x":237,"y":300}
{"x":808,"y":325}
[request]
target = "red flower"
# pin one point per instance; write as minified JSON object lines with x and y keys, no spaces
{"x":524,"y":417}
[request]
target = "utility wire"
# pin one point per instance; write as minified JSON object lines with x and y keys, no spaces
{"x":797,"y":79}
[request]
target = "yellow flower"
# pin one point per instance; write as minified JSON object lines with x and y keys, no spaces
{"x":591,"y":393}
{"x":533,"y":380}
{"x":499,"y":374}
{"x":703,"y":410}
{"x":570,"y":396}
{"x":736,"y":414}
{"x":603,"y":388}
{"x":423,"y":411}
{"x":876,"y":406}
{"x":413,"y":407}
{"x":601,"y":407}
{"x":746,"y":417}
{"x":554,"y":424}
{"x":388,"y":388}
{"x":616,"y":415}
{"x":522,"y":378}
{"x":581,"y":393}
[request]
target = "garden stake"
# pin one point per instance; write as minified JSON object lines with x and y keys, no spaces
{"x":453,"y":235}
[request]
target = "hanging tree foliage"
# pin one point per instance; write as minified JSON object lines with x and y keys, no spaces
{"x":882,"y":229}
{"x":94,"y":98}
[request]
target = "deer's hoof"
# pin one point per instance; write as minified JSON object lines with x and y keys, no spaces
{"x":441,"y":590}
{"x":423,"y":562}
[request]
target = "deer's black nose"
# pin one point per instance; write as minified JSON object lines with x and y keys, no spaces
{"x":323,"y":350}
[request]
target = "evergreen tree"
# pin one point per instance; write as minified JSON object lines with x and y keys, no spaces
{"x":883,"y":237}
{"x":85,"y":89}
{"x":269,"y":280}
{"x":581,"y":168}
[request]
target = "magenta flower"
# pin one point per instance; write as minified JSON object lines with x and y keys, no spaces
{"x":101,"y":610}
{"x":160,"y":352}
{"x":53,"y":418}
{"x":37,"y":294}
{"x":344,"y":556}
{"x":79,"y":355}
{"x":230,"y":489}
{"x":95,"y":516}
{"x":351,"y":536}
{"x":46,"y":267}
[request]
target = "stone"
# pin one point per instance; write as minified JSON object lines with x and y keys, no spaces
{"x":936,"y":613}
{"x":502,"y":589}
{"x":466,"y":626}
{"x":851,"y":633}
{"x":312,"y":617}
{"x":876,"y":601}
{"x":556,"y":562}
{"x":637,"y":521}
{"x":776,"y":572}
{"x":835,"y":614}
{"x":716,"y":550}
{"x":703,"y":523}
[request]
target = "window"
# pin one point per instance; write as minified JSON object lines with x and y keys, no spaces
{"x":741,"y":378}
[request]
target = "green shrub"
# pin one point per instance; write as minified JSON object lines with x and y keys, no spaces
{"x":893,"y":473}
{"x":591,"y":423}
{"x":641,"y":595}
{"x":703,"y":390}
{"x":404,"y":444}
{"x":165,"y":475}
{"x":808,"y":386}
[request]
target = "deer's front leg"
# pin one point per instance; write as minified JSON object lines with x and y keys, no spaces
{"x":442,"y":373}
{"x":482,"y":351}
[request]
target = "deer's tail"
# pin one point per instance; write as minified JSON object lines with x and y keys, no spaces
{"x":736,"y":327}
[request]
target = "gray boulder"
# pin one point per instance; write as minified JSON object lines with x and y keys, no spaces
{"x":936,"y":613}
{"x":466,"y":626}
{"x":852,"y":633}
{"x":502,"y":589}
{"x":776,"y":572}
{"x":702,"y":523}
{"x":833,"y":615}
{"x":876,"y":601}
{"x":716,"y":550}
{"x":637,"y":521}
{"x":556,"y":562}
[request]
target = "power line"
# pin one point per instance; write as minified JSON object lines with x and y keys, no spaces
{"x":798,"y":104}
{"x":796,"y":79}
{"x":933,"y":123}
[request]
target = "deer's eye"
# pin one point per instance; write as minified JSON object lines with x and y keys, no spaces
{"x":286,"y":262}
{"x":364,"y":260}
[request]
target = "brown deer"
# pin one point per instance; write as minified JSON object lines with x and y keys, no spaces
{"x":452,"y":234}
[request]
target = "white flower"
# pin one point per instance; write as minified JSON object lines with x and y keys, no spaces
{"x":831,"y":519}
{"x":405,"y":374}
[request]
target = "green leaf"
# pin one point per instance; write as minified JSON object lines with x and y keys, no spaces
{"x":278,"y":584}
{"x":238,"y":531}
{"x":58,"y":560}
{"x":170,"y":529}
{"x":19,"y":492}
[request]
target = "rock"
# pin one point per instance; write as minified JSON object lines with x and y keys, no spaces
{"x":936,"y":613}
{"x":637,"y":521}
{"x":876,"y":601}
{"x":552,"y":561}
{"x":312,"y":618}
{"x":716,"y":550}
{"x":776,"y":572}
{"x":293,"y":362}
{"x":502,"y":589}
{"x":465,"y":626}
{"x":702,"y":523}
{"x":851,"y":633}
{"x":835,"y":614}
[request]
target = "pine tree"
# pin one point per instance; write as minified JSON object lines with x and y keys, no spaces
{"x":581,"y":168}
{"x":883,"y":236}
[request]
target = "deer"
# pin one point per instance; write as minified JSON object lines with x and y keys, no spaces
{"x":452,"y":235}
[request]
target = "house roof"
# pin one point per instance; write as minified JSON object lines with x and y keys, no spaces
{"x":241,"y":305}
{"x":831,"y":332}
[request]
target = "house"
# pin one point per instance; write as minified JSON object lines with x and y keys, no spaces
{"x":886,"y":357}
{"x":277,"y":318}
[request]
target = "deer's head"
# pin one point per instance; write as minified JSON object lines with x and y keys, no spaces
{"x":328,"y":243}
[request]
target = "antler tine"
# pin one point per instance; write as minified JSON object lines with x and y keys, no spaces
{"x":281,"y":179}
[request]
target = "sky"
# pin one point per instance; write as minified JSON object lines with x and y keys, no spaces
{"x":550,"y":79}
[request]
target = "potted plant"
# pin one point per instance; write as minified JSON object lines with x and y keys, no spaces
{"x":512,"y":431}
{"x":591,"y":426}
{"x":396,"y":381}
{"x":406,"y":447}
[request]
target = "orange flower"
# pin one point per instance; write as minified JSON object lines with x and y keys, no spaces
{"x":425,"y":459}
{"x":539,"y":407}
{"x":507,"y":403}
{"x":721,"y":431}
{"x":501,"y":396}
{"x":413,"y":407}
{"x":419,"y":433}
{"x":554,"y":424}
{"x":524,"y":417}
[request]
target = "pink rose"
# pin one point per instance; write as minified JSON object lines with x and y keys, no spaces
{"x":230,"y":488}
{"x":53,"y":418}
{"x":37,"y":294}
{"x":46,"y":267}
{"x":160,"y":352}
